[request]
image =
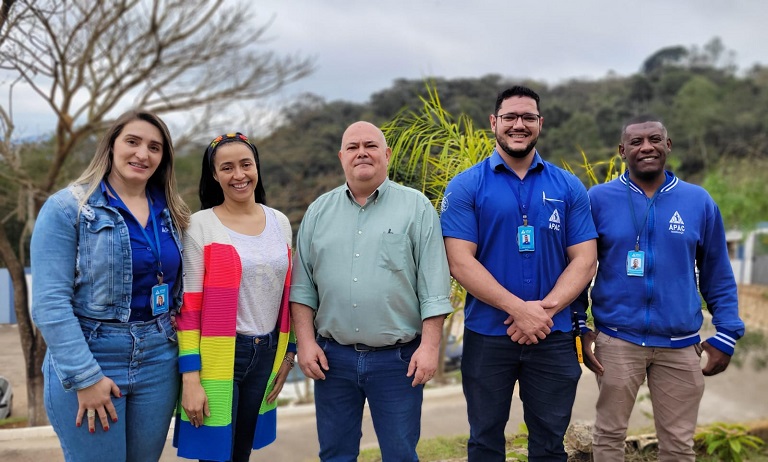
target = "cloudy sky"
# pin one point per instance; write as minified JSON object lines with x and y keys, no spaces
{"x":360,"y":47}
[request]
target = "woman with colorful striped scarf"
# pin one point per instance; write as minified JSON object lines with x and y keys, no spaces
{"x":236,"y":346}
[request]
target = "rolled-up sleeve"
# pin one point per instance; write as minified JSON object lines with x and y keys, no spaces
{"x":303,"y":287}
{"x":433,"y":283}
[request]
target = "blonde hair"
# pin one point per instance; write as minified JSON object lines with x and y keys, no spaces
{"x":163,"y":178}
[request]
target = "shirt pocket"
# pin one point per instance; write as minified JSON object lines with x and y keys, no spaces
{"x":394,"y":251}
{"x":552,"y":218}
{"x":97,"y":258}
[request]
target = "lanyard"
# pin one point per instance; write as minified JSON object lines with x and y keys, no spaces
{"x":634,"y":217}
{"x":524,"y":207}
{"x":154,"y":246}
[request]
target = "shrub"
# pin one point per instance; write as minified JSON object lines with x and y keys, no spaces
{"x":728,"y":442}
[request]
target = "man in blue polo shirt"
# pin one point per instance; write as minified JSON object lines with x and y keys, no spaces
{"x":520,"y":238}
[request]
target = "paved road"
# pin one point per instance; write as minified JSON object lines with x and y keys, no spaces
{"x":444,"y":414}
{"x":737,"y":395}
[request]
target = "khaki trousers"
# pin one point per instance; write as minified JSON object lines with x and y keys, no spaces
{"x":676,"y":385}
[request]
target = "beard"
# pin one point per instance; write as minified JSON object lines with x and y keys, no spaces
{"x":516,"y":153}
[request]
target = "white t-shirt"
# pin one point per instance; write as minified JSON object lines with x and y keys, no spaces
{"x":264,"y":260}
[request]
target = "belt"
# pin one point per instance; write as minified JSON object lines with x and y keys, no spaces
{"x":362,"y":347}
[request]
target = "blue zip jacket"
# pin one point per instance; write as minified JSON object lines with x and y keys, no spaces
{"x":682,"y":232}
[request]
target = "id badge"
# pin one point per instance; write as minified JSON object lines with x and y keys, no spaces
{"x":525,"y":239}
{"x":635,"y":262}
{"x":159,"y":299}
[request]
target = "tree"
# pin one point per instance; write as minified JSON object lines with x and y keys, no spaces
{"x":741,"y":195}
{"x":697,"y":111}
{"x":428,"y":149}
{"x":88,"y":58}
{"x":668,"y":56}
{"x":580,"y":130}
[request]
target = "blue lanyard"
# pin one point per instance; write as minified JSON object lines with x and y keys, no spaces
{"x":524,"y":207}
{"x":154,"y":246}
{"x":639,"y":230}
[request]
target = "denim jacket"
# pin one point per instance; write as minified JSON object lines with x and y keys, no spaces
{"x":81,"y":266}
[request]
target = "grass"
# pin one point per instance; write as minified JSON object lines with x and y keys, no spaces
{"x":438,"y":449}
{"x":454,"y":449}
{"x":13,"y":422}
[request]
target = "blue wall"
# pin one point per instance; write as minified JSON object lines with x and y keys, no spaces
{"x":7,"y":314}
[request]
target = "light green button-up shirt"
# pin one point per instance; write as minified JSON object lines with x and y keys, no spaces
{"x":371,"y":272}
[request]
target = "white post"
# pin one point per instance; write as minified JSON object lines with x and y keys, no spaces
{"x":749,"y":257}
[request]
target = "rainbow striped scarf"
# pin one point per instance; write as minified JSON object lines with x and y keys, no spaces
{"x":207,"y":343}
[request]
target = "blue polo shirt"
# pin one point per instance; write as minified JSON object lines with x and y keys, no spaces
{"x":143,"y":261}
{"x":484,"y":204}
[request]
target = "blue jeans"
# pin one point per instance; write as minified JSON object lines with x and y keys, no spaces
{"x":395,"y":405}
{"x":548,"y":374}
{"x":141,"y":358}
{"x":254,"y":357}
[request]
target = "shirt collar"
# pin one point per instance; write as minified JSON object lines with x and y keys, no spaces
{"x":670,"y":181}
{"x":158,"y":198}
{"x":497,"y":162}
{"x":375,"y":195}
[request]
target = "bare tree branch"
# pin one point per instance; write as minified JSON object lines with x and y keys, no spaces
{"x":6,"y":7}
{"x":87,"y":58}
{"x":164,"y":55}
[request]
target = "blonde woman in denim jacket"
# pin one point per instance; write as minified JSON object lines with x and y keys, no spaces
{"x":106,"y":266}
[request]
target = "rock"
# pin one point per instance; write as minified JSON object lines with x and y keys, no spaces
{"x":643,"y":444}
{"x":578,"y":437}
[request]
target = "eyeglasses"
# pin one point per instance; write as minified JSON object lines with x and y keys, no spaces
{"x":528,"y":118}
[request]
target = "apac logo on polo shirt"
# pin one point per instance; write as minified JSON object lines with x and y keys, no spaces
{"x":444,"y":203}
{"x":554,"y":221}
{"x":676,"y":224}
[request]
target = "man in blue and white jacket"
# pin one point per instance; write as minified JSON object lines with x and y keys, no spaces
{"x":654,"y":232}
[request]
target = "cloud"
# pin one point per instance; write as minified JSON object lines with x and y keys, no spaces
{"x":362,"y":47}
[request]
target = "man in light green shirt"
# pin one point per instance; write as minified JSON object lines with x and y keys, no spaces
{"x":369,"y":294}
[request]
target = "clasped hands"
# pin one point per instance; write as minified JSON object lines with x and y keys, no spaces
{"x":533,"y":323}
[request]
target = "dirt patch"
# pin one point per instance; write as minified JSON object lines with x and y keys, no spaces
{"x":759,"y":429}
{"x":13,"y":422}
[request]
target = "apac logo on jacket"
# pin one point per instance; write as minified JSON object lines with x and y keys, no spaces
{"x":676,"y":224}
